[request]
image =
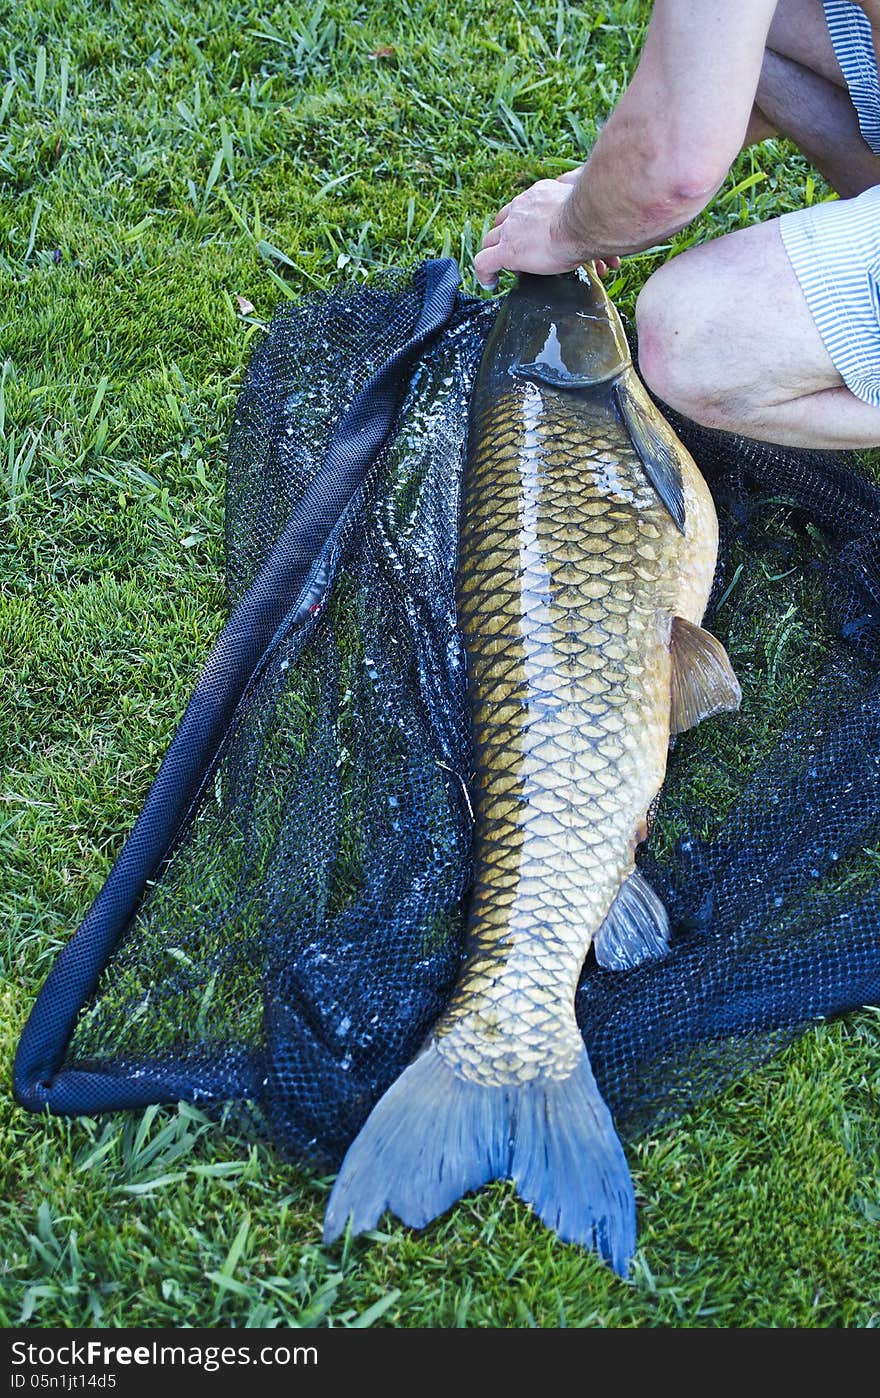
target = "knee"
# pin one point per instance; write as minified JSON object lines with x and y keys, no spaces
{"x":677,"y":346}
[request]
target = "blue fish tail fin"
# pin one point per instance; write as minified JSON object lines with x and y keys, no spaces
{"x":435,"y":1136}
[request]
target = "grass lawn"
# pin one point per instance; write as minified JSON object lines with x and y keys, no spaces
{"x":157,"y":162}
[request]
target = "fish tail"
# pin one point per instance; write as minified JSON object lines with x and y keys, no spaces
{"x":435,"y":1136}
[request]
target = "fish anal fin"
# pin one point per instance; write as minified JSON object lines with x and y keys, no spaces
{"x":655,"y":452}
{"x":435,"y":1136}
{"x":703,"y":681}
{"x":636,"y":927}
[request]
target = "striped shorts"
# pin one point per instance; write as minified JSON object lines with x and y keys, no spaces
{"x":834,"y":247}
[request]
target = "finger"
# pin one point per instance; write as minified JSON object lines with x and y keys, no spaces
{"x":502,"y":214}
{"x":487,"y":265}
{"x":492,"y":238}
{"x":569,"y":176}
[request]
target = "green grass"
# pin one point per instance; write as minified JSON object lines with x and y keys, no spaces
{"x":156,"y":162}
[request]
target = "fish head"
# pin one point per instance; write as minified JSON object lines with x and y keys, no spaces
{"x":561,"y":331}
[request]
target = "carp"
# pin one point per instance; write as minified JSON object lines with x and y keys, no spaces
{"x":588,"y":541}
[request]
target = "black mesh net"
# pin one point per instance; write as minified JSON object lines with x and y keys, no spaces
{"x":284,"y":923}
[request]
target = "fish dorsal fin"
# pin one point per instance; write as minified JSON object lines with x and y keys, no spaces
{"x":656,"y":454}
{"x":636,"y":927}
{"x":703,"y":681}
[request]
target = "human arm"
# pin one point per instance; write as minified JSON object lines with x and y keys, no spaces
{"x":663,"y":153}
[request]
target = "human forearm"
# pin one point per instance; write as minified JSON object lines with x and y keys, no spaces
{"x":631,"y":193}
{"x":588,"y":215}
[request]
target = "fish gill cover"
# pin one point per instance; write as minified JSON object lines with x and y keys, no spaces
{"x":284,"y":923}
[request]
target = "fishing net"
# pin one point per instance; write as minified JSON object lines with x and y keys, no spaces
{"x":284,"y":922}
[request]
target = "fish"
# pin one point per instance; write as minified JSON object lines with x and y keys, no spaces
{"x":587,"y":550}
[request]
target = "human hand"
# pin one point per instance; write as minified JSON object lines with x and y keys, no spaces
{"x":603,"y":265}
{"x":527,"y":235}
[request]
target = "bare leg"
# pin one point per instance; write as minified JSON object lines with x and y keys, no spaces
{"x":820,"y":118}
{"x":802,"y":95}
{"x":725,"y":336}
{"x":799,"y":31}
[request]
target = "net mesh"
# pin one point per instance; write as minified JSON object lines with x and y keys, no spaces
{"x":285,"y":922}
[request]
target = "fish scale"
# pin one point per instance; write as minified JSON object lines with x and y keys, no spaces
{"x":586,"y":555}
{"x":570,"y":711}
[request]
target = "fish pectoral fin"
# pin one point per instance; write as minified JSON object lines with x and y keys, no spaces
{"x":656,"y":454}
{"x":703,"y":681}
{"x":435,"y":1136}
{"x":636,"y":927}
